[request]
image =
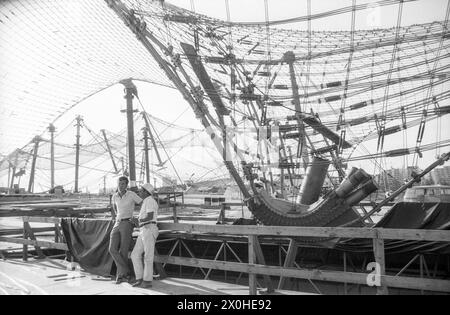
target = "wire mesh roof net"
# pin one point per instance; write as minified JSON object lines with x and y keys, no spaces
{"x":371,"y":82}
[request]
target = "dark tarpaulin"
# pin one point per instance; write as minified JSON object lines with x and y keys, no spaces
{"x":88,"y":242}
{"x":409,"y":215}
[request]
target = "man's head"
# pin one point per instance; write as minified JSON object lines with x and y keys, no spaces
{"x":146,"y":190}
{"x":122,"y":183}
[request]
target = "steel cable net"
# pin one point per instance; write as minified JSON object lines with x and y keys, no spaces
{"x":177,"y":142}
{"x":371,"y":83}
{"x":55,"y":54}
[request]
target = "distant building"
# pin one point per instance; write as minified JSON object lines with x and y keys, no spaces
{"x":394,"y":178}
{"x":213,"y":192}
{"x":441,"y":176}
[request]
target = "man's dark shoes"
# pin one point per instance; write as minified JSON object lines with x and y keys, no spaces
{"x":146,"y":284}
{"x":119,"y":280}
{"x":137,"y":283}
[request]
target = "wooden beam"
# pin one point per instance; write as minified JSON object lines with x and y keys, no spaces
{"x":251,"y":262}
{"x":192,"y":254}
{"x":378,"y":250}
{"x":54,"y":220}
{"x":332,"y":232}
{"x":34,"y":243}
{"x":400,"y":234}
{"x":25,"y":247}
{"x":260,"y":260}
{"x":59,"y":237}
{"x":312,"y":274}
{"x":159,"y":267}
{"x":50,"y":212}
{"x":289,"y":261}
{"x":175,"y":217}
{"x":20,"y":231}
{"x":30,"y":234}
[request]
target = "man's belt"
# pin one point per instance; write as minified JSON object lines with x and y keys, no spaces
{"x":122,"y":220}
{"x":147,"y":223}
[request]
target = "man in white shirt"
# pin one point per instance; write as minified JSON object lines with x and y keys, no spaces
{"x":145,"y":244}
{"x":123,"y":202}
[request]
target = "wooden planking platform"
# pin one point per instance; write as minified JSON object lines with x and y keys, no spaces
{"x":51,"y":277}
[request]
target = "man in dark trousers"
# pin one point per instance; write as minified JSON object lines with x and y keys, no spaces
{"x":123,"y":203}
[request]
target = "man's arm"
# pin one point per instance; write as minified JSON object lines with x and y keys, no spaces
{"x":138,"y":200}
{"x":152,"y":206}
{"x":114,"y":211}
{"x":148,"y":218}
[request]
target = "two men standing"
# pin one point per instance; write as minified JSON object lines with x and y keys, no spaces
{"x":124,"y":202}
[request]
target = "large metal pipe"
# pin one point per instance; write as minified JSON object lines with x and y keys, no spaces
{"x":351,"y":182}
{"x":312,"y":184}
{"x":365,"y":190}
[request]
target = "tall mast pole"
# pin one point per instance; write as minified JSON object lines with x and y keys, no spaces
{"x":36,"y":141}
{"x":79,"y":120}
{"x":147,"y":159}
{"x":9,"y":172}
{"x":130,"y":91}
{"x":12,"y":176}
{"x":289,"y":57}
{"x":51,"y":129}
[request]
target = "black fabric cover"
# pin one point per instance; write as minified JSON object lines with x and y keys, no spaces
{"x":88,"y":242}
{"x":408,"y":215}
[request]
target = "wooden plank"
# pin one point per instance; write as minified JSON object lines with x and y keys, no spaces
{"x":41,"y":219}
{"x":49,"y":205}
{"x":196,"y":218}
{"x":159,"y":267}
{"x":289,"y":261}
{"x":312,"y":274}
{"x":55,"y":220}
{"x":30,"y":233}
{"x":6,"y":232}
{"x":251,"y":262}
{"x":403,"y":234}
{"x":332,"y":232}
{"x":58,"y":234}
{"x":175,"y":217}
{"x":434,"y":285}
{"x":50,"y":212}
{"x":25,"y":247}
{"x":334,"y":276}
{"x":378,"y":250}
{"x":414,"y":235}
{"x":34,"y":243}
{"x":233,"y":204}
{"x":192,"y":254}
{"x":260,"y":260}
